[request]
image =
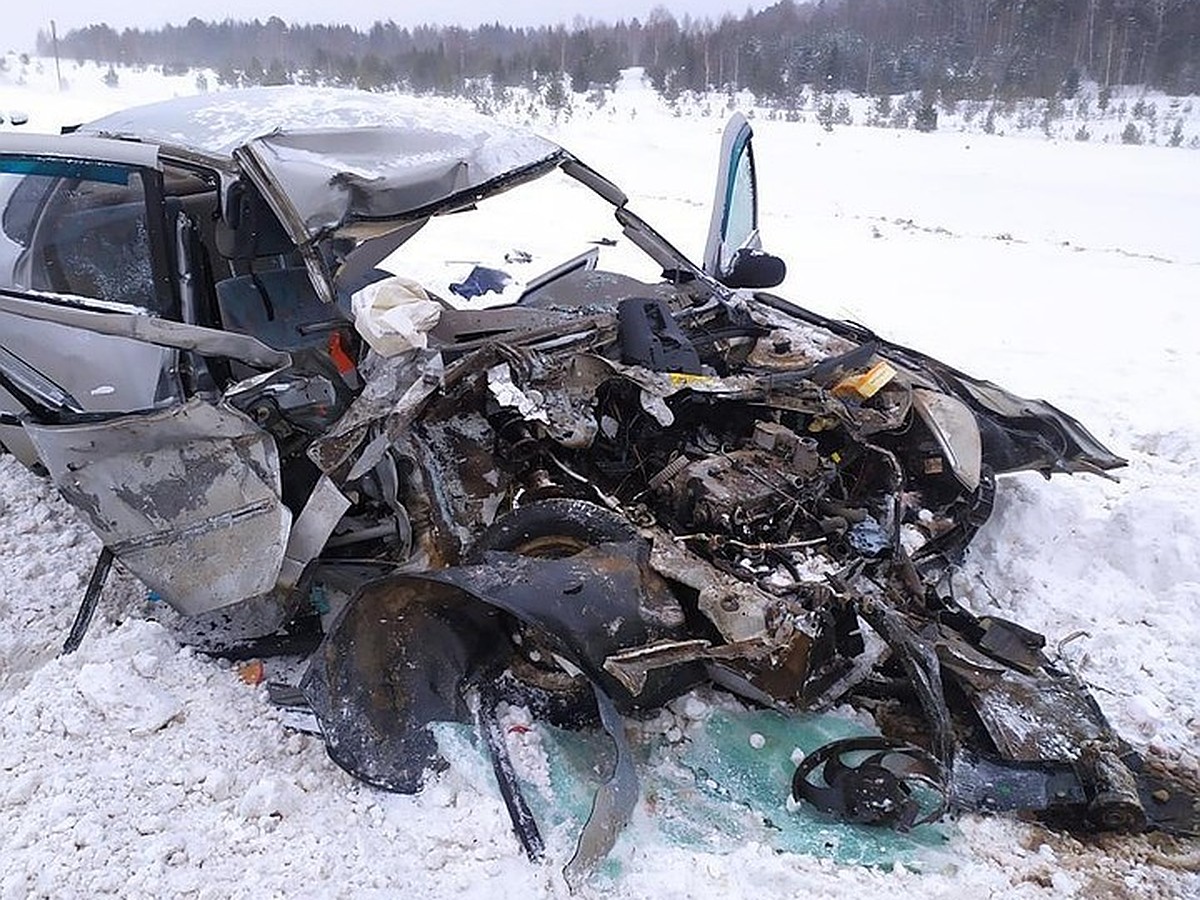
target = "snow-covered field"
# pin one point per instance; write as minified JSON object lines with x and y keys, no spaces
{"x":1064,"y":270}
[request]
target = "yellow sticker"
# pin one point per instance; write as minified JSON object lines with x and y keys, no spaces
{"x":682,"y":378}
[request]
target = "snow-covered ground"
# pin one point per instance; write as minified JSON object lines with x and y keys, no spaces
{"x":1066,"y":270}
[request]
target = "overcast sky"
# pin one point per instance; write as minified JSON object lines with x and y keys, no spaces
{"x":22,"y":19}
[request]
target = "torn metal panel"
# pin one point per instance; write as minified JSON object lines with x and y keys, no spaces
{"x":953,"y":425}
{"x":149,"y":330}
{"x":465,"y":485}
{"x":325,"y":507}
{"x":464,"y":326}
{"x":614,"y":803}
{"x":411,"y":135}
{"x":395,"y":390}
{"x":631,"y":667}
{"x":324,"y":179}
{"x":739,"y":610}
{"x":1029,"y":717}
{"x":589,"y":606}
{"x":399,"y":657}
{"x":183,"y":497}
{"x":919,"y":658}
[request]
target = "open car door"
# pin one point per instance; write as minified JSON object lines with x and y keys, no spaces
{"x":733,"y":252}
{"x":75,"y":234}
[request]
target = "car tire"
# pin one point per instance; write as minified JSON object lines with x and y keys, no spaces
{"x":551,"y":529}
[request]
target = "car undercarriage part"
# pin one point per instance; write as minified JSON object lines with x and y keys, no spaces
{"x":91,"y":597}
{"x":524,"y":824}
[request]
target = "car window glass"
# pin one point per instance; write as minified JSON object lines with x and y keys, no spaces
{"x":739,"y":211}
{"x":20,"y":213}
{"x":77,"y":235}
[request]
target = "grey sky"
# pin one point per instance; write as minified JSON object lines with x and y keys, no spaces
{"x":23,"y":19}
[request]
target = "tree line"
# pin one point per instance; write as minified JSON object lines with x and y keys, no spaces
{"x":948,"y":48}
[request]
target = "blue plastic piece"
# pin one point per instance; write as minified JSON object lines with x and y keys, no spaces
{"x":480,"y":281}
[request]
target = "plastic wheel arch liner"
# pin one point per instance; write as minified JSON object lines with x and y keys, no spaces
{"x":407,"y":649}
{"x":404,"y":650}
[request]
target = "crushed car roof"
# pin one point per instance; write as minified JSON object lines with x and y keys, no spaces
{"x":384,"y":156}
{"x":218,"y":123}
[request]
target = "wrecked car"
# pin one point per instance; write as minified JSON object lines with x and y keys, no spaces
{"x":584,"y":491}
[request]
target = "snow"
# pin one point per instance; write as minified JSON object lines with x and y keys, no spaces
{"x":1060,"y":269}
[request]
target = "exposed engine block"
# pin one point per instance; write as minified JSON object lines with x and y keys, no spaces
{"x":752,"y":492}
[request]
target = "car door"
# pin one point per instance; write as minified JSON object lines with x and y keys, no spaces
{"x":186,"y":493}
{"x":733,"y":251}
{"x":75,"y":231}
{"x":734,"y":223}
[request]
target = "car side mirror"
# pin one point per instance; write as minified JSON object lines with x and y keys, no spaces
{"x":755,"y":269}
